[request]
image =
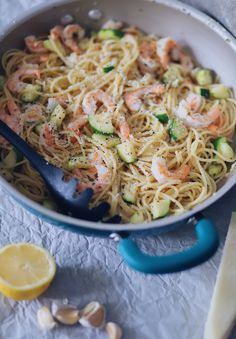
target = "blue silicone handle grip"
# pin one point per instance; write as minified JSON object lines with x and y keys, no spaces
{"x":206,"y":246}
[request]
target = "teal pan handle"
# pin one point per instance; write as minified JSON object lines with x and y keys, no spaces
{"x":205,"y":247}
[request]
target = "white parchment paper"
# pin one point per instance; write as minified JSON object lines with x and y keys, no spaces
{"x":171,"y":306}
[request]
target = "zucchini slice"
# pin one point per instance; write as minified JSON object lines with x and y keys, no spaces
{"x":172,"y":76}
{"x":137,"y":218}
{"x":160,"y":209}
{"x":126,"y":152}
{"x":219,"y":91}
{"x":161,"y":114}
{"x":101,"y":123}
{"x":84,"y":44}
{"x":177,"y":130}
{"x":55,"y":46}
{"x":108,"y":141}
{"x":108,"y":33}
{"x":223,"y":148}
{"x":108,"y":69}
{"x":78,"y":162}
{"x":204,"y":92}
{"x":214,"y":170}
{"x":12,"y":158}
{"x":58,"y":115}
{"x":129,"y":194}
{"x":204,"y":77}
{"x":162,"y":117}
{"x":38,"y":128}
{"x":31,"y":93}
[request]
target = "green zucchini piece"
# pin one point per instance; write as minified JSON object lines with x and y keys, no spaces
{"x":11,"y":159}
{"x":129,"y":194}
{"x":219,"y":91}
{"x":78,"y":162}
{"x":101,"y":123}
{"x":126,"y":152}
{"x":204,"y":77}
{"x":38,"y":128}
{"x":161,"y":114}
{"x":214,"y":170}
{"x":108,"y":141}
{"x":108,"y":33}
{"x":172,"y":76}
{"x":160,"y":209}
{"x":223,"y":148}
{"x":49,"y":204}
{"x":108,"y":69}
{"x":162,"y":117}
{"x":31,"y":93}
{"x":84,"y":43}
{"x":2,"y":82}
{"x":177,"y":130}
{"x":58,"y":115}
{"x":55,"y":46}
{"x":137,"y":218}
{"x":204,"y":92}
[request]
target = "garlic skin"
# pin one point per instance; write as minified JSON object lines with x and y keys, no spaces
{"x":64,"y":313}
{"x":113,"y":330}
{"x":93,"y":315}
{"x":45,"y":319}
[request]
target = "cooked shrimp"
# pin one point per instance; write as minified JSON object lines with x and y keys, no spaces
{"x":48,"y":136}
{"x":39,"y":58}
{"x":78,"y":122}
{"x":124,"y":127}
{"x":62,"y":100}
{"x":163,"y":175}
{"x":111,"y":24}
{"x":179,"y":55}
{"x":196,"y":120}
{"x":14,"y":84}
{"x":133,"y":98}
{"x":164,"y":48}
{"x":103,"y":175}
{"x":56,"y":32}
{"x":34,"y":45}
{"x":12,"y":119}
{"x":186,"y":62}
{"x":13,"y":108}
{"x":33,"y":113}
{"x":147,"y":60}
{"x":92,"y":98}
{"x":99,"y":169}
{"x":70,"y":35}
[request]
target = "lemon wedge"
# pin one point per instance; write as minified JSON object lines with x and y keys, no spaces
{"x":26,"y":271}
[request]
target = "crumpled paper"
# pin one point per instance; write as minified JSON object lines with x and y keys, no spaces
{"x":145,"y":306}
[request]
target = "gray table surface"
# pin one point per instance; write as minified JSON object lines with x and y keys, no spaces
{"x":146,"y":306}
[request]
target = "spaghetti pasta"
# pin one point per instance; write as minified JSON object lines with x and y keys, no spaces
{"x":76,"y":108}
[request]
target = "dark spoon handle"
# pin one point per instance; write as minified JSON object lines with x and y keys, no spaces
{"x":37,"y":161}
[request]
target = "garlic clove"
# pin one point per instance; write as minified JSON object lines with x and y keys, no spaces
{"x":113,"y":330}
{"x":66,"y":314}
{"x":57,"y":304}
{"x":45,"y":319}
{"x":93,"y":315}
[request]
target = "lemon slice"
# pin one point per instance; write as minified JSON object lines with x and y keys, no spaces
{"x":26,"y":271}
